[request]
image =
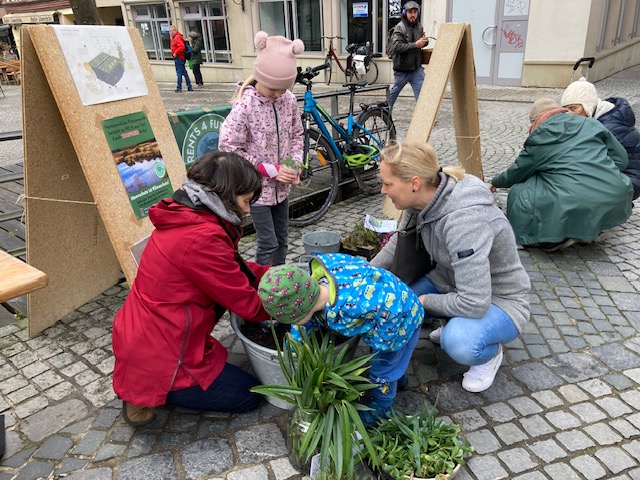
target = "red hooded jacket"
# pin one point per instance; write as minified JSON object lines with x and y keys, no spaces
{"x":162,"y":335}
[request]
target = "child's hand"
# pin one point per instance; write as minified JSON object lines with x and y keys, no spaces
{"x":287,"y":175}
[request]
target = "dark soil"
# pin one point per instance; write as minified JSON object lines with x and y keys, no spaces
{"x":260,"y":333}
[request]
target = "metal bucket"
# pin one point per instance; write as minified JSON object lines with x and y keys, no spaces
{"x":265,"y":364}
{"x":322,"y":241}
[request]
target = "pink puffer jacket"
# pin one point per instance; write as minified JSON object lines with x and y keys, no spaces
{"x":264,"y":131}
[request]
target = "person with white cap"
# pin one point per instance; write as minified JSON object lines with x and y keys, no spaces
{"x":566,"y":186}
{"x":615,"y":113}
{"x":408,"y":39}
{"x":264,"y":126}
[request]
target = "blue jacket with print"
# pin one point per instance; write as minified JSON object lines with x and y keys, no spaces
{"x":366,"y":301}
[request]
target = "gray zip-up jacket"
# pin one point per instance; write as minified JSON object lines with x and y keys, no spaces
{"x":474,"y":247}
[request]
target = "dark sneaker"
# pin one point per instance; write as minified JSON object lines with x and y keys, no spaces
{"x":375,"y":415}
{"x":178,"y":90}
{"x":190,"y":89}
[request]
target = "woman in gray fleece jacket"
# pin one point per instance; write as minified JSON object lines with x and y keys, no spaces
{"x":478,"y":282}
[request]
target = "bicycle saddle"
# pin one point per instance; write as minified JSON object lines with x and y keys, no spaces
{"x":352,"y":47}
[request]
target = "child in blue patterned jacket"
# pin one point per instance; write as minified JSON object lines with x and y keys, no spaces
{"x":351,"y":297}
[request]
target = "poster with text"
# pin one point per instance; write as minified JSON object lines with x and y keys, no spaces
{"x":395,"y":10}
{"x":361,"y":10}
{"x":138,"y":160}
{"x":102,"y":61}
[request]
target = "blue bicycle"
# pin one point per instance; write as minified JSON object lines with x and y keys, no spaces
{"x":331,"y":161}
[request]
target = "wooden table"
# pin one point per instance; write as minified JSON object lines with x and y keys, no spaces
{"x":18,"y":278}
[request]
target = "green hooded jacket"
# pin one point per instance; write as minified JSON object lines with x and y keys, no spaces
{"x":567,"y":182}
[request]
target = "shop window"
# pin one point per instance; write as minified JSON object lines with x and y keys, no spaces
{"x":368,"y":21}
{"x":293,"y":19}
{"x":209,"y":19}
{"x":153,"y":22}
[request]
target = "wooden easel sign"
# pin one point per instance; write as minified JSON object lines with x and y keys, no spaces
{"x":89,"y":108}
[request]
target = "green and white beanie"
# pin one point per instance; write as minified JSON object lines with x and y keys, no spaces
{"x":288,"y":293}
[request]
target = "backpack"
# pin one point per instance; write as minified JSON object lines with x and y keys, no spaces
{"x":389,"y":44}
{"x":187,"y":50}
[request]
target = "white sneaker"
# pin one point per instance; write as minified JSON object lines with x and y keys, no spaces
{"x":480,"y":377}
{"x":435,"y":335}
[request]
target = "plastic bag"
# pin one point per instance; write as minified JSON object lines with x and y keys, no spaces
{"x":191,"y":64}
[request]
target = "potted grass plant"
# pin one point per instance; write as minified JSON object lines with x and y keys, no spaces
{"x":363,"y":242}
{"x":418,"y":447}
{"x":324,"y":387}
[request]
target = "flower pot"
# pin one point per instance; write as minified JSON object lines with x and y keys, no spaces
{"x":440,"y":476}
{"x":322,"y":241}
{"x":266,"y":365}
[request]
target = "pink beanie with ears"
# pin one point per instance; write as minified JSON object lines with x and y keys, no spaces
{"x":275,"y":67}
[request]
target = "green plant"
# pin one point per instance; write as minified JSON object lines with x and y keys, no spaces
{"x":325,"y":386}
{"x":291,"y":162}
{"x":418,"y":446}
{"x":361,"y":236}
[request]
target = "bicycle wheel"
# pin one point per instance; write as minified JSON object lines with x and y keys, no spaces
{"x":371,"y":74}
{"x":379,"y":123}
{"x":327,"y":71}
{"x":312,"y":197}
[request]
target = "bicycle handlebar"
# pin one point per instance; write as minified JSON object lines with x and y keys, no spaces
{"x":331,"y":38}
{"x":309,"y":73}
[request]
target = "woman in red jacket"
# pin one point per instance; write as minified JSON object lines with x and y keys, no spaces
{"x":189,"y":274}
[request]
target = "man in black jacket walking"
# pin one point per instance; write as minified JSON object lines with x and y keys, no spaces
{"x":408,"y":40}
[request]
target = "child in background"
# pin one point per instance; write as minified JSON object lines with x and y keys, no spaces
{"x":351,"y":297}
{"x":264,"y":126}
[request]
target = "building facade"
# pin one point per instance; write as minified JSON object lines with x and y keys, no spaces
{"x":516,"y":42}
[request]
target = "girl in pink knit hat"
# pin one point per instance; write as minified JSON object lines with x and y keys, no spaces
{"x":264,"y":126}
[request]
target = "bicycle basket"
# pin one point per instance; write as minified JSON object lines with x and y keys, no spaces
{"x":359,"y":155}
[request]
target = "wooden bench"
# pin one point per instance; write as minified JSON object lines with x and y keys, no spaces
{"x":18,"y":278}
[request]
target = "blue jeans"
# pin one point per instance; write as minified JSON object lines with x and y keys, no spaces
{"x":272,"y":231}
{"x":388,"y":367}
{"x":181,"y":71}
{"x":472,"y":341}
{"x":400,"y":79}
{"x":229,"y":392}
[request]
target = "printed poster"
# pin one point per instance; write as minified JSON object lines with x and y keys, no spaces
{"x":138,"y":160}
{"x":102,"y":61}
{"x":395,"y":10}
{"x":361,"y":10}
{"x":201,"y":137}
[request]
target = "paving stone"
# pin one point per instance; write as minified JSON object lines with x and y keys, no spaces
{"x":260,"y":442}
{"x":502,"y":389}
{"x":573,"y":394}
{"x":633,"y":449}
{"x":602,"y":433}
{"x":574,"y":440}
{"x":536,"y":426}
{"x":531,"y":476}
{"x":171,"y":439}
{"x":34,"y":470}
{"x":618,"y":381}
{"x":453,"y":397}
{"x":206,"y":457}
{"x":153,"y":466}
{"x":484,"y":441}
{"x":632,"y":397}
{"x":258,"y":472}
{"x":536,"y":377}
{"x":575,"y":366}
{"x":616,"y":357}
{"x":486,"y":467}
{"x":561,"y":471}
{"x":54,"y":448}
{"x":525,"y":406}
{"x":613,"y":406}
{"x":589,"y":467}
{"x":517,"y":460}
{"x":31,"y":407}
{"x":596,"y":388}
{"x":509,"y":433}
{"x":547,"y":450}
{"x":626,"y":429}
{"x":69,"y":465}
{"x":615,"y":459}
{"x":562,"y":420}
{"x":90,"y":442}
{"x":588,"y":412}
{"x":470,"y":420}
{"x":109,"y":451}
{"x":18,"y":459}
{"x":106,"y":418}
{"x":141,"y":445}
{"x":499,"y":412}
{"x":22,"y":394}
{"x":626,"y":301}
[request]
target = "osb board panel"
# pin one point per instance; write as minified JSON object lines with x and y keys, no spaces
{"x":452,"y":58}
{"x":65,"y":236}
{"x":84,"y":126}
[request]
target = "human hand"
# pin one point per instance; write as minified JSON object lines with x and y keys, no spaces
{"x":422,"y":299}
{"x":421,"y":42}
{"x":492,"y":188}
{"x":288,"y":175}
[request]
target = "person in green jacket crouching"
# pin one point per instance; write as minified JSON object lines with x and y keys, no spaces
{"x":566,"y":185}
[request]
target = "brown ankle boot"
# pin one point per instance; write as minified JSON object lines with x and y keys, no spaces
{"x":137,"y":416}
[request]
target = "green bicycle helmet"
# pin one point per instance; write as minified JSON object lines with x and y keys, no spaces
{"x":357,"y":155}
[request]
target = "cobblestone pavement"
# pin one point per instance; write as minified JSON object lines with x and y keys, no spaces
{"x":565,"y":404}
